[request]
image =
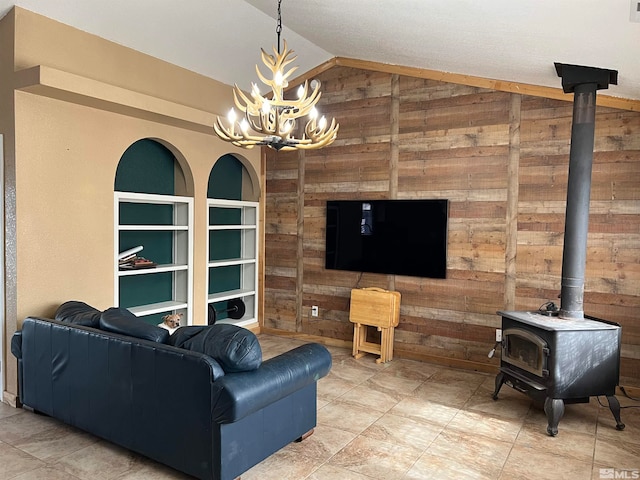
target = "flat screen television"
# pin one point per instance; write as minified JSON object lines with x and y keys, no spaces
{"x":401,"y":237}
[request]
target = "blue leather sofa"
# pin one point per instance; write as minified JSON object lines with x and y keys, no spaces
{"x":176,"y":406}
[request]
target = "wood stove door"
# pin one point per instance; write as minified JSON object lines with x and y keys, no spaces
{"x":525,"y":350}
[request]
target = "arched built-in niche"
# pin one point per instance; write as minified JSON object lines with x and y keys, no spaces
{"x":233,"y":178}
{"x":153,"y":166}
{"x":153,"y":211}
{"x":232,"y":196}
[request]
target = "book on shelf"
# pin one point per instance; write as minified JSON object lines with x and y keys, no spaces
{"x":136,"y":262}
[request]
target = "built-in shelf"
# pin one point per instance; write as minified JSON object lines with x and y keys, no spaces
{"x":232,"y":272}
{"x":160,"y":307}
{"x":157,"y":269}
{"x":163,"y":226}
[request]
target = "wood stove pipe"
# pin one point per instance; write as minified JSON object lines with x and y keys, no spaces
{"x":583,"y":82}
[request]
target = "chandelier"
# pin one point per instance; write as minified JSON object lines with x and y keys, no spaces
{"x":271,"y":120}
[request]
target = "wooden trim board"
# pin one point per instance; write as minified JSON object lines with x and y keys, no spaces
{"x":470,"y":80}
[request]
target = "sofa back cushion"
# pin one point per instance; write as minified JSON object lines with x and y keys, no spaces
{"x":236,"y":349}
{"x":122,"y":321}
{"x":78,"y":313}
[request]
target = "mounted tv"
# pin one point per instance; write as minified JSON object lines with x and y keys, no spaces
{"x":401,"y":237}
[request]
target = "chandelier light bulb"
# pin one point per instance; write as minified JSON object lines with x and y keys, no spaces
{"x":322,"y":123}
{"x":313,"y":114}
{"x":231,"y":116}
{"x":287,"y":127}
{"x":244,"y":125}
{"x":266,"y":107}
{"x":300,"y":91}
{"x":278,"y":79}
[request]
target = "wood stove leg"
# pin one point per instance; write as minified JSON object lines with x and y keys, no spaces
{"x":614,"y":406}
{"x":554,"y":408}
{"x":499,"y":382}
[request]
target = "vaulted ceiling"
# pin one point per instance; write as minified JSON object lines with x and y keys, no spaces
{"x":514,"y":41}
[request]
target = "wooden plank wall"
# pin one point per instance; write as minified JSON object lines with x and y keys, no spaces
{"x":501,"y":159}
{"x":612,"y":277}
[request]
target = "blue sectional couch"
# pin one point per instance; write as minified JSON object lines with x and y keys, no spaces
{"x":175,"y":405}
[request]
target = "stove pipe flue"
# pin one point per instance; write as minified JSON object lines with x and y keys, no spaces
{"x":583,"y":82}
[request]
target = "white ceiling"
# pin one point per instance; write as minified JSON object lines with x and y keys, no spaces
{"x":510,"y":40}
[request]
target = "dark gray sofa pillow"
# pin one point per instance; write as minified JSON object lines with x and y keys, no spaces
{"x":236,"y":349}
{"x":78,"y":313}
{"x":121,"y":320}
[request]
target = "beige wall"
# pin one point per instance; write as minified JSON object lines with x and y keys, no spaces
{"x":42,"y":41}
{"x":66,"y":154}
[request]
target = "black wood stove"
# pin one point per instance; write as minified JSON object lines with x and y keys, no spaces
{"x":558,"y":361}
{"x":565,"y":356}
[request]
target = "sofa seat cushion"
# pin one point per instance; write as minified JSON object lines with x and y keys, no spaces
{"x":78,"y":313}
{"x":122,"y":321}
{"x":236,"y":349}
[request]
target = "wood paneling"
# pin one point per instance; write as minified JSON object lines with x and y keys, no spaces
{"x":501,"y":159}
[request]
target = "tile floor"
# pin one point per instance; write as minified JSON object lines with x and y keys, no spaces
{"x":404,"y":420}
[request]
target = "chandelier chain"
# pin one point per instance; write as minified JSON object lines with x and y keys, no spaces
{"x":279,"y":24}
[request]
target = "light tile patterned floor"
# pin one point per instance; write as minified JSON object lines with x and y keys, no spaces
{"x":404,"y":420}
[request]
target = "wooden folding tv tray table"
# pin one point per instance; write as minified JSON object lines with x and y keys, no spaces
{"x":374,"y":307}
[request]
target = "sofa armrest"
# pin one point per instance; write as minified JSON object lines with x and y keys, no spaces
{"x":240,"y":394}
{"x":16,"y":345}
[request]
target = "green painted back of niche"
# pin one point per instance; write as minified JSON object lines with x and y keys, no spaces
{"x":147,"y":167}
{"x":225,"y":182}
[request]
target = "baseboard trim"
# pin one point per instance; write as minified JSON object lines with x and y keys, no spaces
{"x":333,"y":342}
{"x":10,"y":399}
{"x":397,"y":352}
{"x":632,"y":391}
{"x":447,"y":362}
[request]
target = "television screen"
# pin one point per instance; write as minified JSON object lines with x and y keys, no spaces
{"x":402,"y":237}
